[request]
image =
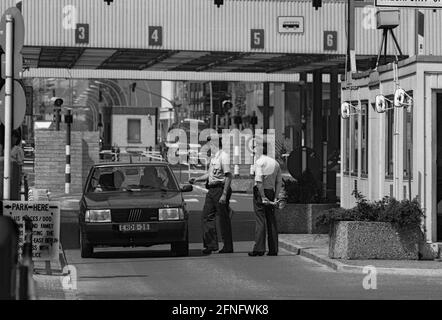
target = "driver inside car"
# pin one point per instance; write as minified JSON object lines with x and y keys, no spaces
{"x":150,"y":178}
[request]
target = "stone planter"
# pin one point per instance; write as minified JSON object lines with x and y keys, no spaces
{"x":377,"y":240}
{"x":301,"y":218}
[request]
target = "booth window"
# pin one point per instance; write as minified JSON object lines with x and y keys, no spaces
{"x":364,"y":138}
{"x":347,"y":146}
{"x":389,"y":142}
{"x":133,"y":130}
{"x":408,"y":141}
{"x":354,"y":144}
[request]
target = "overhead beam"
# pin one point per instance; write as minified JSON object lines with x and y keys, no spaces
{"x":158,"y":75}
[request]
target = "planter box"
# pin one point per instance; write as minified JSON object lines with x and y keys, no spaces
{"x":301,"y":218}
{"x":377,"y":240}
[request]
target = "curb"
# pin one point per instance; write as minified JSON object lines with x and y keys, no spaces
{"x":339,"y":266}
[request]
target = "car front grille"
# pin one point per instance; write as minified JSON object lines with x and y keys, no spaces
{"x":134,"y":215}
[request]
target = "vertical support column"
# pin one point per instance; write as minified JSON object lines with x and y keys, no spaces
{"x":156,"y":126}
{"x":266,"y":109}
{"x":334,"y":128}
{"x":318,"y":136}
{"x":211,"y":104}
{"x":303,"y":98}
{"x":68,"y":153}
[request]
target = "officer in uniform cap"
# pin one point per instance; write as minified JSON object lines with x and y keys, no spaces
{"x":218,"y":180}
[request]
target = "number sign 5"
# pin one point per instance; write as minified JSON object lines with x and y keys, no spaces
{"x":257,"y":38}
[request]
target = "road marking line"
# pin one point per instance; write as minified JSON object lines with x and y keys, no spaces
{"x":200,"y":188}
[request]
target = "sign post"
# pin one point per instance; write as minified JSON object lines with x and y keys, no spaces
{"x":9,"y":92}
{"x":11,"y":40}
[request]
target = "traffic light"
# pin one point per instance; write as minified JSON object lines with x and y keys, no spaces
{"x":58,"y":102}
{"x":219,"y":3}
{"x":317,"y":4}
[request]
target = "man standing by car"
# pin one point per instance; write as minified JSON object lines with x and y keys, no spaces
{"x":218,"y":180}
{"x":268,"y":183}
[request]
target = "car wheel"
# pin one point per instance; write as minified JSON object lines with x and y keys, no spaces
{"x":180,"y":249}
{"x":87,"y":250}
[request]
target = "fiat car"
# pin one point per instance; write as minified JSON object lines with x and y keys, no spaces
{"x":135,"y":204}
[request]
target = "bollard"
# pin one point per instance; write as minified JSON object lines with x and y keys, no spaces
{"x":8,"y":258}
{"x":26,"y":187}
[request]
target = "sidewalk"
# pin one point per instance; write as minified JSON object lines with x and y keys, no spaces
{"x":315,"y":247}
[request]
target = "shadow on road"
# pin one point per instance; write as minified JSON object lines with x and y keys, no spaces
{"x":193,"y":253}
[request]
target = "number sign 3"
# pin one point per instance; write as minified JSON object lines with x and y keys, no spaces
{"x":155,"y":36}
{"x":82,"y":33}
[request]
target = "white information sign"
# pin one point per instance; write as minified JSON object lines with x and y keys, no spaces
{"x":409,"y":3}
{"x":45,"y":217}
{"x":291,"y":24}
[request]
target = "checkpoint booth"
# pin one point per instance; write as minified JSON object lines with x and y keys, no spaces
{"x":391,"y":138}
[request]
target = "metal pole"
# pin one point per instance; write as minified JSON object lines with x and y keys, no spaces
{"x":9,"y":94}
{"x":68,"y":154}
{"x":409,"y":174}
{"x":57,"y":119}
{"x":324,"y":169}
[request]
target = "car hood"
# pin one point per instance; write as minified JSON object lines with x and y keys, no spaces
{"x":119,"y":200}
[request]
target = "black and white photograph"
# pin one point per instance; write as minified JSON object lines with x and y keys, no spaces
{"x":223,"y":158}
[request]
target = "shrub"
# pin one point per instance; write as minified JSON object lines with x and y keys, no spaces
{"x":401,"y":214}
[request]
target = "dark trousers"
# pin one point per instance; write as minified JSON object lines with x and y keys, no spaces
{"x":212,"y":207}
{"x":265,"y":216}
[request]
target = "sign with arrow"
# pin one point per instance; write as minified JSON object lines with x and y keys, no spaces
{"x":45,"y":218}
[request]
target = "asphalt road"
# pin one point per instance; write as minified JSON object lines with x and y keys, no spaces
{"x":153,"y":273}
{"x":243,"y":217}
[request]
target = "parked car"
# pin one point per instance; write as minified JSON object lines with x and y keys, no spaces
{"x":139,"y":204}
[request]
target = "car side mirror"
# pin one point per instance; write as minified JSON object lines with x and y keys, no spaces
{"x":187,"y":188}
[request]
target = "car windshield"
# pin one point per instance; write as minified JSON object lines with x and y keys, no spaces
{"x":132,"y":178}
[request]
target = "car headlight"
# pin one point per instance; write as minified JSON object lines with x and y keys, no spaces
{"x":170,"y":214}
{"x":97,"y":216}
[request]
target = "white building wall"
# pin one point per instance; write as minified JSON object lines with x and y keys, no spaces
{"x":119,"y":131}
{"x":425,"y":80}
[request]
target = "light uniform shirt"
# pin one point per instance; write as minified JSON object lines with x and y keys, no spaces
{"x":267,"y":171}
{"x":219,"y":166}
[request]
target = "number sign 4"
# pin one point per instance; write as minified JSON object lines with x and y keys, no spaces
{"x":155,"y":36}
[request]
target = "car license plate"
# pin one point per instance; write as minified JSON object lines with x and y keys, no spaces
{"x":134,"y":227}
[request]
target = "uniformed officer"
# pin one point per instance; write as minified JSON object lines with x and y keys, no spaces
{"x":218,"y":180}
{"x":268,"y":183}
